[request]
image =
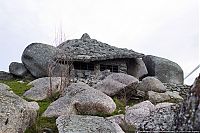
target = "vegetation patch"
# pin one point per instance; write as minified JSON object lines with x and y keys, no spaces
{"x":17,"y":87}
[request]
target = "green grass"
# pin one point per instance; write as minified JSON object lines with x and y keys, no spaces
{"x":41,"y":122}
{"x":17,"y":87}
{"x":120,"y":106}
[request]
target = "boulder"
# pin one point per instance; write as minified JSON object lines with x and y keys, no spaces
{"x":122,"y":78}
{"x":163,"y":69}
{"x":162,"y":119}
{"x":151,"y":84}
{"x":38,"y":58}
{"x":110,"y":87}
{"x":146,"y":103}
{"x":86,"y":124}
{"x":18,"y":69}
{"x":156,"y":97}
{"x":168,"y":96}
{"x":137,"y":68}
{"x":119,"y":119}
{"x":174,"y":95}
{"x":4,"y":87}
{"x":34,"y":105}
{"x":16,"y":114}
{"x":6,"y":76}
{"x":136,"y":114}
{"x":115,"y":83}
{"x":79,"y":98}
{"x":41,"y":88}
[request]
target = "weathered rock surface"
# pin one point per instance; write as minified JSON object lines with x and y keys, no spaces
{"x":38,"y":57}
{"x":119,"y":119}
{"x":5,"y":76}
{"x":163,"y":105}
{"x":34,"y":105}
{"x":86,"y":124}
{"x":162,"y":119}
{"x":168,"y":96}
{"x":115,"y":83}
{"x":184,"y":116}
{"x":188,"y":116}
{"x":137,"y":68}
{"x":122,"y":78}
{"x":135,"y":115}
{"x":182,"y":89}
{"x":16,"y":114}
{"x":41,"y":88}
{"x":156,"y":97}
{"x":151,"y":84}
{"x":17,"y":69}
{"x":174,"y":96}
{"x":165,"y":70}
{"x":86,"y":49}
{"x":4,"y":87}
{"x":79,"y":98}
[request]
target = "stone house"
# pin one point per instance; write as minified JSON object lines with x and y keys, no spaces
{"x":89,"y":57}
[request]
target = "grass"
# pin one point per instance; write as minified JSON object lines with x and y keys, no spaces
{"x":17,"y":87}
{"x":120,"y":106}
{"x":41,"y":122}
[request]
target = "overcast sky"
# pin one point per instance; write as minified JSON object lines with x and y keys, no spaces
{"x":165,"y":28}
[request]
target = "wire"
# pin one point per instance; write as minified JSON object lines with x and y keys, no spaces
{"x":192,"y":71}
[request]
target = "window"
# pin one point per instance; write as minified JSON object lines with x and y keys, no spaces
{"x":83,"y":66}
{"x":112,"y":68}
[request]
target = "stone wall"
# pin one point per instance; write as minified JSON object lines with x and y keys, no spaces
{"x":88,"y":74}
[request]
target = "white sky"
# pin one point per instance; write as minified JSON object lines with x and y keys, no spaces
{"x":165,"y":28}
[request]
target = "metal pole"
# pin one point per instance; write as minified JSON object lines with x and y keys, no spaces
{"x":192,"y":71}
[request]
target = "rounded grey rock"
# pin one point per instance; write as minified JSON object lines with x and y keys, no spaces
{"x":17,"y":69}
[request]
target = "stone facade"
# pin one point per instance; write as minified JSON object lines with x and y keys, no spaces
{"x":93,"y":69}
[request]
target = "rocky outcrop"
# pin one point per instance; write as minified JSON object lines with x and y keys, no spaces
{"x":42,"y":89}
{"x":16,"y":114}
{"x":163,"y":69}
{"x":86,"y":124}
{"x":87,"y":49}
{"x":115,"y":83}
{"x":38,"y":58}
{"x":6,"y":76}
{"x":79,"y":98}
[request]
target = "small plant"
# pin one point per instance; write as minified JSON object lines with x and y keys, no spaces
{"x":120,"y":106}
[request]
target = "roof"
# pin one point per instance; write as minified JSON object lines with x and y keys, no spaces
{"x":87,"y":49}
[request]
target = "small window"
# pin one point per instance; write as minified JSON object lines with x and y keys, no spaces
{"x":83,"y":66}
{"x":112,"y":68}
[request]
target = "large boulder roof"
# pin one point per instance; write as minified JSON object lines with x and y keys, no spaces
{"x":87,"y":49}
